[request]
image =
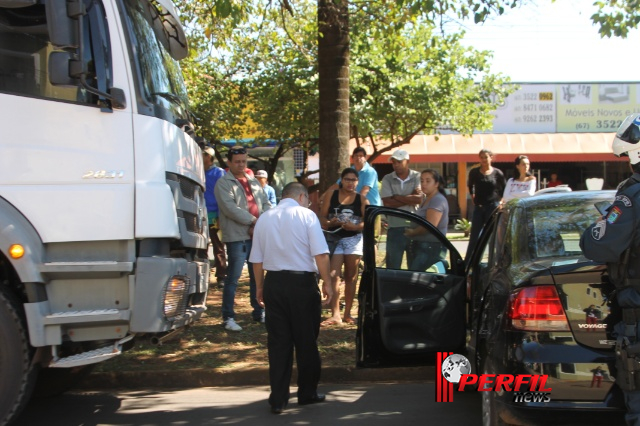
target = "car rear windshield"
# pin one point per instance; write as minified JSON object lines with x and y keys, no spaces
{"x":555,"y":229}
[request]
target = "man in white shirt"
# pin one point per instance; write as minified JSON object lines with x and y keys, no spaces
{"x":289,"y":245}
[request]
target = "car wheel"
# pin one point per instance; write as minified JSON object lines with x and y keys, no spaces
{"x":16,"y":369}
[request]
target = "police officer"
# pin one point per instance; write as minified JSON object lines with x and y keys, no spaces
{"x":615,"y":240}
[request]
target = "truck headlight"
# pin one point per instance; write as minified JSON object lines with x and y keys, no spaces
{"x":175,"y":296}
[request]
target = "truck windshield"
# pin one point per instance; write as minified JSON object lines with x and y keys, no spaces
{"x":160,"y":79}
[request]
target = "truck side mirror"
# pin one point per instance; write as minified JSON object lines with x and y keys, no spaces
{"x":59,"y":72}
{"x":62,"y":22}
{"x":118,"y":99}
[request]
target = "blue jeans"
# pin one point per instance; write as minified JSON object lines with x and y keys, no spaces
{"x":426,"y":254}
{"x":397,"y":245}
{"x":481,"y":215}
{"x":237,"y":255}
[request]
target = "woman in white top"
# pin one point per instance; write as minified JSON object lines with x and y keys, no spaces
{"x":522,"y":186}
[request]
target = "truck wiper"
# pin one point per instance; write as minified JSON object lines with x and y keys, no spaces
{"x":171,"y":97}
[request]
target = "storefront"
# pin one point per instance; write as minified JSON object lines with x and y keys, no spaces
{"x":575,"y":157}
{"x":566,"y":128}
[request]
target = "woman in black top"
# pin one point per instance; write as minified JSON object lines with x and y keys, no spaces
{"x":341,"y":215}
{"x":486,"y":186}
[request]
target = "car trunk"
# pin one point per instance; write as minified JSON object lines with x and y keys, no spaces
{"x":585,"y":297}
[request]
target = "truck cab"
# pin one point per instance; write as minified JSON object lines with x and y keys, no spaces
{"x":103,"y":224}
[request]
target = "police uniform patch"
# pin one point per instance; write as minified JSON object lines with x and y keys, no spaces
{"x":598,"y":230}
{"x":624,"y":200}
{"x":614,"y":214}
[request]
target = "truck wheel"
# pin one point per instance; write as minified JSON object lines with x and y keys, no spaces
{"x":17,"y":372}
{"x":55,"y":381}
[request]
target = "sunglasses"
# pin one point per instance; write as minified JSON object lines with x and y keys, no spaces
{"x":234,"y":151}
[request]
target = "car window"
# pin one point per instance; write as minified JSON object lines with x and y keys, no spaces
{"x":406,"y":244}
{"x":555,"y":229}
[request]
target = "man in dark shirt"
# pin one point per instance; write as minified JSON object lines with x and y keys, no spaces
{"x":614,"y":239}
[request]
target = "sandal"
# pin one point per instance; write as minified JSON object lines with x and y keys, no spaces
{"x":330,"y":321}
{"x":349,"y":320}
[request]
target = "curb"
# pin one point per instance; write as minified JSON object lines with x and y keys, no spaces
{"x":247,"y":377}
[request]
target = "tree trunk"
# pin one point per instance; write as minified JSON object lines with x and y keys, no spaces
{"x":333,"y":79}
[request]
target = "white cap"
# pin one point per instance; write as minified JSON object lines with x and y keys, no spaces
{"x":262,"y":174}
{"x":400,"y":155}
{"x":210,"y":151}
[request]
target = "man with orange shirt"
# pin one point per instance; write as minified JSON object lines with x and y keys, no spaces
{"x":241,"y":200}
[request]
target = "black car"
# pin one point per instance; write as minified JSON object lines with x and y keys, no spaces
{"x":528,"y":302}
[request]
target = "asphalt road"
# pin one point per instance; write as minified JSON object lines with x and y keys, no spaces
{"x":355,"y":405}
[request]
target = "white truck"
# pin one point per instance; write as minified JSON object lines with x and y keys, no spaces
{"x":103,"y":225}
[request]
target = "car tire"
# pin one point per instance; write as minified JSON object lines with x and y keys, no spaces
{"x":16,"y":368}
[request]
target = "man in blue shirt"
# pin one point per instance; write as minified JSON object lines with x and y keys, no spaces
{"x":367,"y":177}
{"x":262,"y":177}
{"x":212,"y":174}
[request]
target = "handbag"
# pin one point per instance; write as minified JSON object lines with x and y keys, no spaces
{"x":332,"y":241}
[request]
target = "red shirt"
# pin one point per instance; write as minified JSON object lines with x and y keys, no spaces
{"x":251,"y":201}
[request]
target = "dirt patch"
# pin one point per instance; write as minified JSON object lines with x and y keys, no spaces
{"x":207,"y":344}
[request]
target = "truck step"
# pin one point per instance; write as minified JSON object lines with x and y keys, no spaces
{"x":89,"y":357}
{"x":86,"y":269}
{"x":92,"y":316}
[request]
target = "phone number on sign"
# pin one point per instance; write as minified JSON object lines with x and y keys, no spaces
{"x":538,"y":118}
{"x":600,"y":124}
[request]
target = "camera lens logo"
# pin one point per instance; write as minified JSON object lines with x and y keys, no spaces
{"x":454,"y":366}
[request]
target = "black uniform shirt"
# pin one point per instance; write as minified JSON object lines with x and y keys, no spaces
{"x":607,"y":239}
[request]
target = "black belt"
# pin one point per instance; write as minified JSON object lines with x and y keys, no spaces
{"x":296,"y":272}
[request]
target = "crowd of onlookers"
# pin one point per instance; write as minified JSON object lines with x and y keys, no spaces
{"x":236,"y":197}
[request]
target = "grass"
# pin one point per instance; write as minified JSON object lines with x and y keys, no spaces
{"x":206,"y":344}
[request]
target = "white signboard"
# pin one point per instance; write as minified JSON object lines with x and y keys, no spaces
{"x":532,"y":109}
{"x":567,"y":108}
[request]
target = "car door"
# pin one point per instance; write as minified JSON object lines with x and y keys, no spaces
{"x":482,"y":266}
{"x":415,"y":307}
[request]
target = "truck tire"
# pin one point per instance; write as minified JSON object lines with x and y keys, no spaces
{"x":16,"y":369}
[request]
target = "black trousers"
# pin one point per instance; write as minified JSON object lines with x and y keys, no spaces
{"x":218,"y":253}
{"x":293,"y":310}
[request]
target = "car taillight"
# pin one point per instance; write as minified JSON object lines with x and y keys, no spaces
{"x":537,"y":309}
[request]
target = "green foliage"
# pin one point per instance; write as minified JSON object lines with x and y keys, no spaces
{"x":617,"y":17}
{"x":253,"y":67}
{"x":416,"y":79}
{"x":463,"y":225}
{"x":261,"y":83}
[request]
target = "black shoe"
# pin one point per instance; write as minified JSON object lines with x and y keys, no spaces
{"x":318,"y":397}
{"x":278,"y":409}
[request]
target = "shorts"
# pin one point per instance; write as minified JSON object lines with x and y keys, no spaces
{"x":350,"y":245}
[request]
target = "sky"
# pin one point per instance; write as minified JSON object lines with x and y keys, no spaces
{"x":549,"y":41}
